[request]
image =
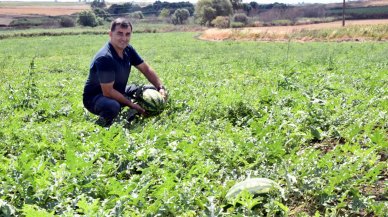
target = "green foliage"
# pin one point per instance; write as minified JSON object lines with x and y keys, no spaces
{"x":98,"y":4}
{"x":67,"y":21}
{"x":180,"y":16}
{"x":241,"y":18}
{"x":102,"y":13}
{"x":150,"y":9}
{"x":310,"y":116}
{"x":158,"y":6}
{"x":122,"y":9}
{"x":236,"y":4}
{"x":221,"y":22}
{"x":39,"y":21}
{"x":164,"y":13}
{"x":237,"y":25}
{"x":207,"y":10}
{"x":371,"y":12}
{"x":247,"y":7}
{"x":136,"y":15}
{"x":87,"y":18}
{"x":282,"y":22}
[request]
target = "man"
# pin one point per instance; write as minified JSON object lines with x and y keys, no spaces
{"x":106,"y":90}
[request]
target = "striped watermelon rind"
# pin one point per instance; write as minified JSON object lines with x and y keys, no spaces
{"x":152,"y":101}
{"x":254,"y":186}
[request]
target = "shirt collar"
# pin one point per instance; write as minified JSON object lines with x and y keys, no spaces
{"x":114,"y":53}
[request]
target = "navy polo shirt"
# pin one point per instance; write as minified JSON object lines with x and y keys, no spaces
{"x":107,"y":67}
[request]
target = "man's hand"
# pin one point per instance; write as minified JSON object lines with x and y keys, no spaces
{"x":164,"y":94}
{"x":138,"y":108}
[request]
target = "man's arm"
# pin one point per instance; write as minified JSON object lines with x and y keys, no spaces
{"x":109,"y":91}
{"x":152,"y":77}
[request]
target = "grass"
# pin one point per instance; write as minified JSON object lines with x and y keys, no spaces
{"x":362,"y":10}
{"x":310,"y":116}
{"x":140,"y":26}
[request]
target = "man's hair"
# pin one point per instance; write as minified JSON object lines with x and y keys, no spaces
{"x":122,"y":22}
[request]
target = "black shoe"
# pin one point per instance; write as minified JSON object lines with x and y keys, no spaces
{"x":104,"y":122}
{"x":132,"y":113}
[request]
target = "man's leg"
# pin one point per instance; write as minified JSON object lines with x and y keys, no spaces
{"x":133,"y":91}
{"x":107,"y":109}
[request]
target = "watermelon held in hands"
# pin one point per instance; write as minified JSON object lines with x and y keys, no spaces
{"x":152,"y":101}
{"x":254,"y":186}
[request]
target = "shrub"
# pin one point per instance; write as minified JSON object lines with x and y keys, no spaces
{"x":67,"y":21}
{"x":282,"y":22}
{"x":102,"y":13}
{"x":164,"y":13}
{"x":87,"y":18}
{"x":136,"y":15}
{"x":241,"y":18}
{"x":221,"y":22}
{"x":180,"y":16}
{"x":208,"y":10}
{"x":98,"y":4}
{"x":237,"y":24}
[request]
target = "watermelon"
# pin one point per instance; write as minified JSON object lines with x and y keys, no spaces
{"x":152,"y":101}
{"x":254,"y":186}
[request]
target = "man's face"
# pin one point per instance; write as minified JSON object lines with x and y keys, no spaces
{"x":119,"y":38}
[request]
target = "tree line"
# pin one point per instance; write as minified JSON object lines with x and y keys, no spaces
{"x":204,"y":12}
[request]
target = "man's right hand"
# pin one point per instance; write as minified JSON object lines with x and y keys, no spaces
{"x":138,"y":108}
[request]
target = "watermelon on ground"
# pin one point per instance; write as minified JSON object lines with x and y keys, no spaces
{"x":152,"y":101}
{"x":254,"y":186}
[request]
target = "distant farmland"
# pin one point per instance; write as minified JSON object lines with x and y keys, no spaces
{"x":361,"y":12}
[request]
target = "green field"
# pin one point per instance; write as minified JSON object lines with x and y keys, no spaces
{"x":361,"y":10}
{"x":310,"y":116}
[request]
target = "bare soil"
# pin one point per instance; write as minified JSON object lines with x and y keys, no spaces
{"x":42,"y":10}
{"x":279,"y":32}
{"x":9,"y":13}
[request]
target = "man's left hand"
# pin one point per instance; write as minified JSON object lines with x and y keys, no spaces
{"x":163,"y":92}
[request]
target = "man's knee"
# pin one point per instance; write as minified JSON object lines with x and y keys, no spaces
{"x":110,"y":109}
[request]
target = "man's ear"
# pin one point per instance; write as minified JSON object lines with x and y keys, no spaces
{"x":110,"y":33}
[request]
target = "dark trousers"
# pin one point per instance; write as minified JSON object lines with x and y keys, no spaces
{"x":107,"y":108}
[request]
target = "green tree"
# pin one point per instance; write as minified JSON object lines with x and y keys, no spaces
{"x":221,"y":22}
{"x":125,"y":8}
{"x":247,"y":7}
{"x":180,"y":16}
{"x":67,"y":21}
{"x":136,"y":15}
{"x":87,"y":18}
{"x":102,"y":13}
{"x":207,"y":10}
{"x":98,"y":4}
{"x":236,"y":4}
{"x":241,"y":18}
{"x":164,"y":13}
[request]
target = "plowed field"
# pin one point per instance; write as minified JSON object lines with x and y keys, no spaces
{"x":42,"y":10}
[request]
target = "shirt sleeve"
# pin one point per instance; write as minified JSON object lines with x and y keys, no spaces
{"x":134,"y":57}
{"x":105,"y":70}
